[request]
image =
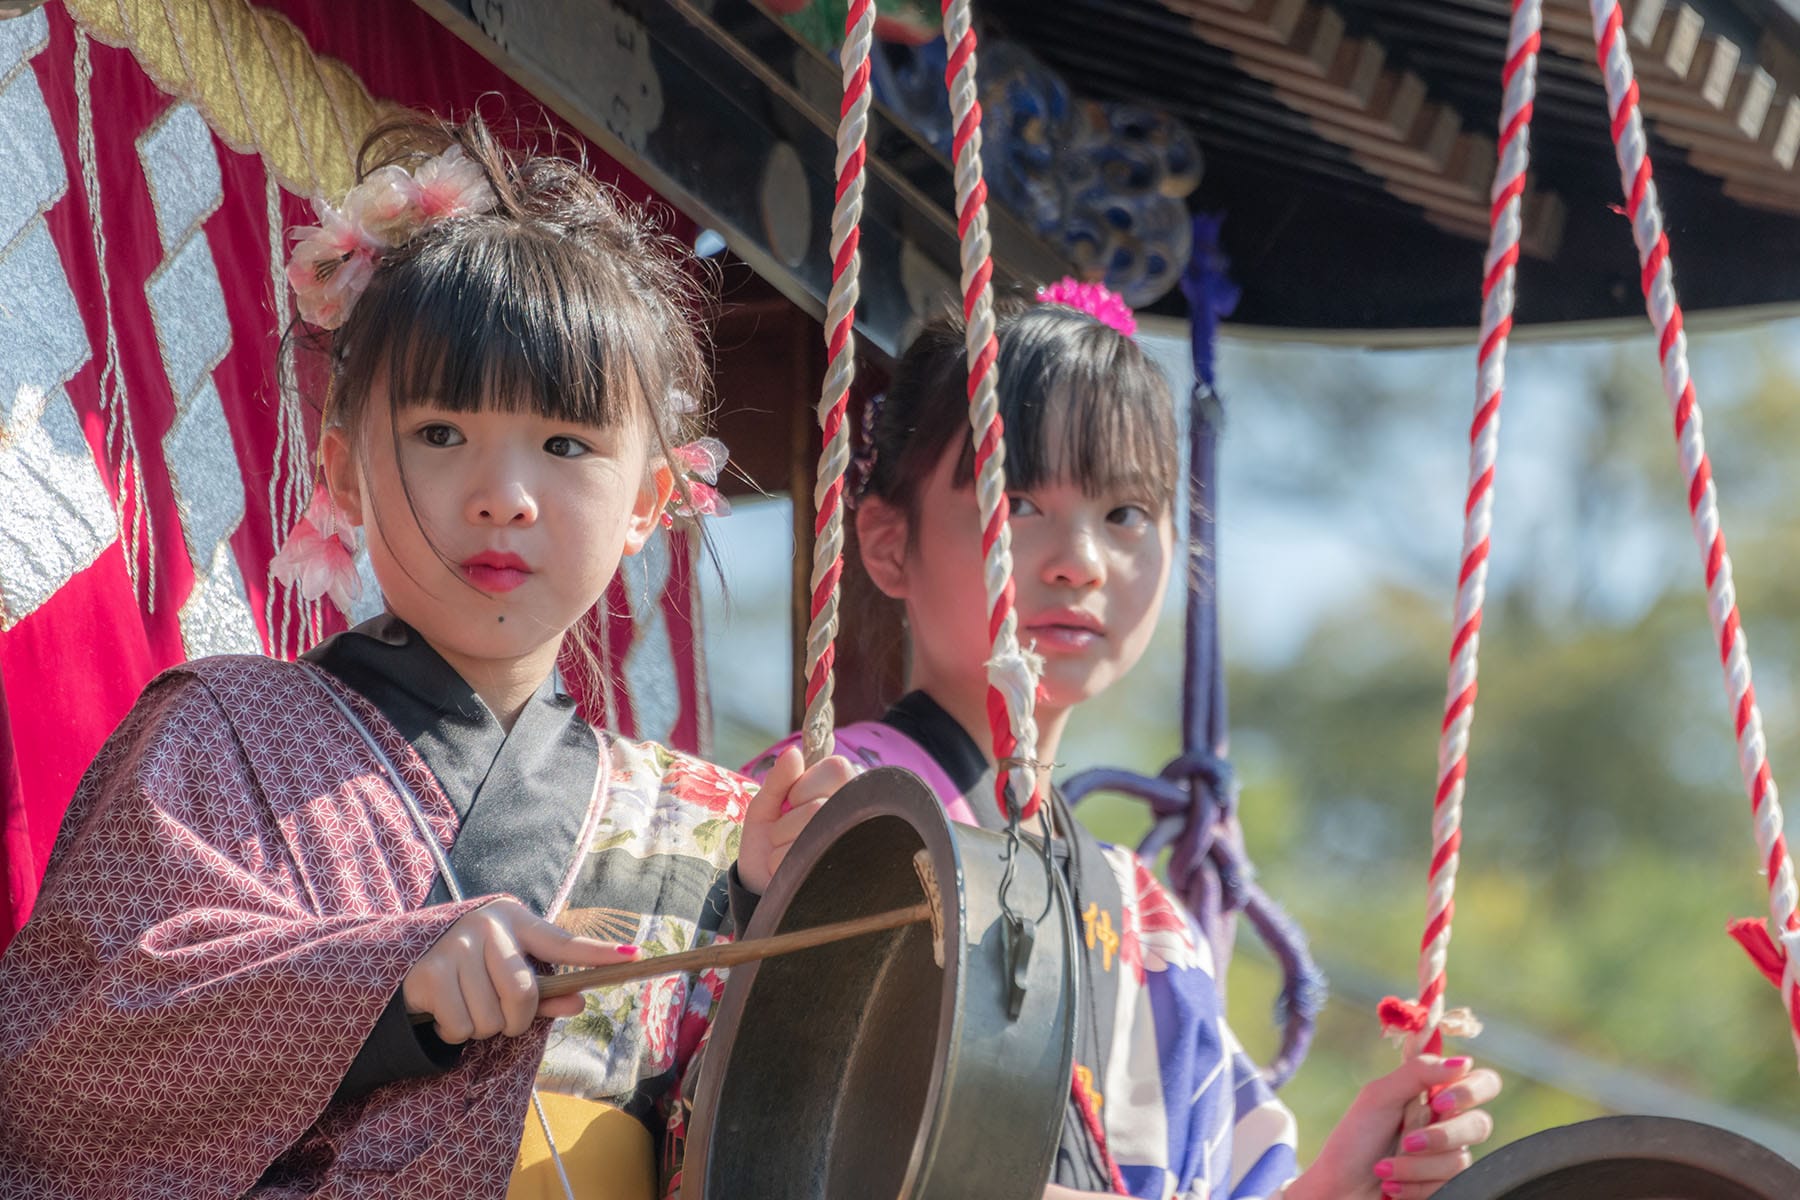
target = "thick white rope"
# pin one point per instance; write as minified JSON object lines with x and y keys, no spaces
{"x":834,"y":396}
{"x":1011,"y":672}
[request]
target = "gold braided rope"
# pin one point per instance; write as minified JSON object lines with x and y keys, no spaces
{"x":253,"y":77}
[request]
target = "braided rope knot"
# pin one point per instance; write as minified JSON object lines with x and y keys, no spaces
{"x":1404,"y":1019}
{"x":1774,"y":958}
{"x":1013,"y":673}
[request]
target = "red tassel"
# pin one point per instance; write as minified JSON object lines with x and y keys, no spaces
{"x":1401,"y":1016}
{"x":1752,"y":933}
{"x":1090,"y":1117}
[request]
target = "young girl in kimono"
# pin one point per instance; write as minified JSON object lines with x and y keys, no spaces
{"x":1166,"y":1103}
{"x":285,"y":946}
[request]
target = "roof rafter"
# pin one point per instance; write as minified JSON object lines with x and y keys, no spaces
{"x":1384,"y":116}
{"x":1730,"y":116}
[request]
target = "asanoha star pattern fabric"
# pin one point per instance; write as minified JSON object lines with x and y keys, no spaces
{"x":233,"y":900}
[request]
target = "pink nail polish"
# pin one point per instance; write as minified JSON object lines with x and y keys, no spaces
{"x":629,"y":951}
{"x":1457,"y":1064}
{"x":1391,"y":1189}
{"x":1443,"y":1104}
{"x":1412,"y":1143}
{"x":786,"y":808}
{"x":1384,"y":1169}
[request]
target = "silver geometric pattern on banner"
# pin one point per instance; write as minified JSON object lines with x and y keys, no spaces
{"x":20,"y":41}
{"x":187,"y":301}
{"x":215,"y":617}
{"x":182,"y":173}
{"x":42,"y":340}
{"x":58,"y":514}
{"x":35,"y":177}
{"x":203,"y":470}
{"x":59,"y":517}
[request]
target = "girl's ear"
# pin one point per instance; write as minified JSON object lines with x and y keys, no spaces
{"x":882,"y":537}
{"x":652,"y":501}
{"x":342,"y":478}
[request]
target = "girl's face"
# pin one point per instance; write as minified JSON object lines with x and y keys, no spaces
{"x":498,"y":529}
{"x":1089,"y":574}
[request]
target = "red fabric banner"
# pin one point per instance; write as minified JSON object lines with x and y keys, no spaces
{"x":190,"y":275}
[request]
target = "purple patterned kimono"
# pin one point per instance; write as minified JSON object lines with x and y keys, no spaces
{"x":238,"y":891}
{"x":1185,"y":1112}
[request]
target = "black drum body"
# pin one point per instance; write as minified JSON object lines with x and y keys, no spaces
{"x":864,"y":1069}
{"x":1629,"y":1158}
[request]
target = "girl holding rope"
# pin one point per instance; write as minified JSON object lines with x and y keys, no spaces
{"x":284,"y":945}
{"x":1165,"y":1103}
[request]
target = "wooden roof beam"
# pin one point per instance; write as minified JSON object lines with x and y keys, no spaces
{"x":1731,"y":117}
{"x":1383,"y":116}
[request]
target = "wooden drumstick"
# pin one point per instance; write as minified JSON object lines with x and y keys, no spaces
{"x":732,"y":954}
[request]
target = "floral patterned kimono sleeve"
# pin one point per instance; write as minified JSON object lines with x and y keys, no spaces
{"x":655,"y":877}
{"x":1187,"y":1113}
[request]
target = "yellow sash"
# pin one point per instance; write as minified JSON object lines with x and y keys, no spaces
{"x":606,"y":1152}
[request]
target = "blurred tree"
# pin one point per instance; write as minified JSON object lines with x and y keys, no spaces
{"x":1607,"y":833}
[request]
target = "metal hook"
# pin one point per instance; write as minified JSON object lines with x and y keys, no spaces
{"x":1018,"y":935}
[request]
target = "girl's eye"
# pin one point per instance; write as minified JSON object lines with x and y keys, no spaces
{"x":1129,"y":516}
{"x":1022,"y":506}
{"x":563,"y":446}
{"x":440,"y":435}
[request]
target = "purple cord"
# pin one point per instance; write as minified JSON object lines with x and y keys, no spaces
{"x":1194,"y":797}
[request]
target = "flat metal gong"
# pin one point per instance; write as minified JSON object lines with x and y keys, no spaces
{"x":1629,"y":1158}
{"x":877,"y":1067}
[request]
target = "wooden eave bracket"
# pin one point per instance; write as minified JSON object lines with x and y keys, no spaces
{"x":1384,"y":117}
{"x":1734,"y":119}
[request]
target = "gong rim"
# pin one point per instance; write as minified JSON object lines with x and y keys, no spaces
{"x":1629,"y":1158}
{"x":967,"y":1056}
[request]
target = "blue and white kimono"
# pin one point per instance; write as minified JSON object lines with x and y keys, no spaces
{"x":1184,"y":1112}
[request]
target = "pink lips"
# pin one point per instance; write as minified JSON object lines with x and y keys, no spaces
{"x":492,"y":571}
{"x":1065,"y":629}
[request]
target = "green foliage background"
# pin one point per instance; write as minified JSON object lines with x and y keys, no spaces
{"x":1607,"y":837}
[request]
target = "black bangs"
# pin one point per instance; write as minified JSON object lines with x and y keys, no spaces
{"x":486,"y":313}
{"x":1082,"y":404}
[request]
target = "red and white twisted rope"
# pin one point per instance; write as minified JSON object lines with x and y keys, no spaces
{"x":1012,"y":674}
{"x":834,"y":395}
{"x":1658,"y":282}
{"x":1424,"y":1022}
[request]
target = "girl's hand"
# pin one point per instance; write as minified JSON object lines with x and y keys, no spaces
{"x":1367,"y":1157}
{"x":791,"y":796}
{"x":475,"y":982}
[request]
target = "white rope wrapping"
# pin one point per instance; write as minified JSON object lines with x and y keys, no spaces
{"x":1498,"y":280}
{"x":840,"y":313}
{"x":132,"y":507}
{"x":1632,"y":150}
{"x":1010,"y":671}
{"x":290,"y":472}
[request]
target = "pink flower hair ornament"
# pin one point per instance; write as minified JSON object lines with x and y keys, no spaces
{"x":333,"y":261}
{"x":698,"y":463}
{"x":1093,"y":299}
{"x":319,"y":556}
